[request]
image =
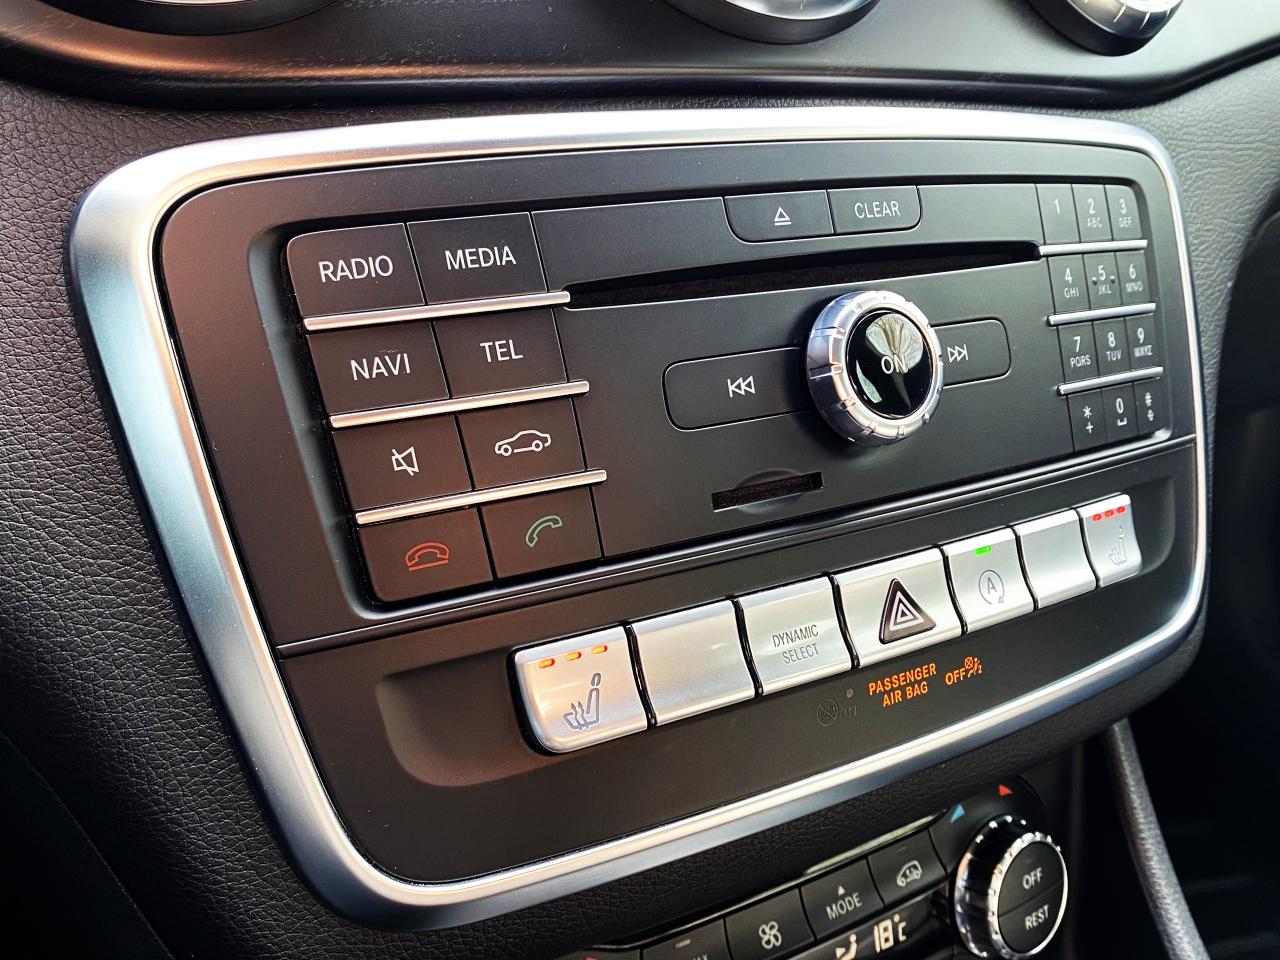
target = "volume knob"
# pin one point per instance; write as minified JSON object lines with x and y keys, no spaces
{"x":874,"y":366}
{"x":1010,"y":891}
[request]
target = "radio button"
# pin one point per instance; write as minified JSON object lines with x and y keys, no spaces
{"x":978,"y":350}
{"x":500,"y":351}
{"x":1091,"y":212}
{"x":1120,"y":413}
{"x":794,"y":634}
{"x":897,"y":606}
{"x":1104,"y":284}
{"x":1087,"y":427}
{"x":986,"y":578}
{"x":1113,"y":346}
{"x":372,"y":367}
{"x":744,"y":386}
{"x":542,"y":532}
{"x":580,"y":691}
{"x":1079,"y":356}
{"x":1058,"y":213}
{"x":779,"y":216}
{"x":1132,"y":267}
{"x":412,"y":558}
{"x":1126,"y":223}
{"x":875,"y":209}
{"x":352,"y":270}
{"x":405,"y":460}
{"x":472,"y":258}
{"x":1066,"y":274}
{"x":1110,"y":539}
{"x":1053,"y":556}
{"x":525,"y":441}
{"x":692,"y":661}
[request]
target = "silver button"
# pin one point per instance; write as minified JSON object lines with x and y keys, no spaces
{"x":897,"y":606}
{"x":1053,"y":558}
{"x":794,"y":634}
{"x":986,"y":578}
{"x":1110,"y":539}
{"x":581,"y":690}
{"x":692,"y":661}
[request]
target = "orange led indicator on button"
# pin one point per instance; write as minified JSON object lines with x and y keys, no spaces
{"x":548,"y":662}
{"x":576,"y":655}
{"x":600,"y":648}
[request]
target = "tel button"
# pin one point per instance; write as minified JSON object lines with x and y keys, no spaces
{"x":352,"y":270}
{"x":500,"y":351}
{"x":383,"y":366}
{"x":840,"y":899}
{"x":412,"y":558}
{"x":472,"y":258}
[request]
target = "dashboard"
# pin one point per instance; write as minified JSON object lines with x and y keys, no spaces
{"x":659,"y":525}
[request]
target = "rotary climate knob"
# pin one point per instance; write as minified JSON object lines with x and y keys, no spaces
{"x":1010,"y":891}
{"x":875,"y":367}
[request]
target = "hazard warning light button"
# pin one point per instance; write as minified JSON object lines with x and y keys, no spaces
{"x":897,"y":606}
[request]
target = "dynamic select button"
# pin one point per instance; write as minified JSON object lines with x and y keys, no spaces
{"x":794,"y":635}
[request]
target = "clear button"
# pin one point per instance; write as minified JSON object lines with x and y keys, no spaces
{"x":1110,"y":540}
{"x":1053,"y":557}
{"x":986,"y":578}
{"x":580,"y":691}
{"x":692,"y":661}
{"x":794,"y":634}
{"x":897,"y":606}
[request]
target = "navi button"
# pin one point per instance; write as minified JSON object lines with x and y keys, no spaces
{"x":580,"y":691}
{"x":383,"y":366}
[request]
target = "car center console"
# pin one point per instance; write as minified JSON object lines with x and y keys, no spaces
{"x":715,"y":466}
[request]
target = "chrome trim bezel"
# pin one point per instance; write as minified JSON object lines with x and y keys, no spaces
{"x":1091,"y":246}
{"x":477,"y":401}
{"x":114,"y":267}
{"x":1109,"y":380}
{"x":434,"y":311}
{"x":475,"y":498}
{"x":1102,"y":313}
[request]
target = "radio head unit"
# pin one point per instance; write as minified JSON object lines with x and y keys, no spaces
{"x":513,"y":460}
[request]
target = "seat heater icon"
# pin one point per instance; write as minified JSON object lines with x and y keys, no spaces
{"x":584,"y":717}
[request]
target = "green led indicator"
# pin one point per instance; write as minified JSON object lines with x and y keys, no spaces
{"x":981,"y":550}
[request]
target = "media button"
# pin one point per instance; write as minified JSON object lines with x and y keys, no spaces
{"x":541,"y":532}
{"x":424,"y":555}
{"x":524,"y":441}
{"x":384,"y":366}
{"x":473,"y":258}
{"x":500,"y":351}
{"x":353,"y":270}
{"x":405,"y":460}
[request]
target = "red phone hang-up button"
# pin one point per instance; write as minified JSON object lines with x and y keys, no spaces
{"x":425,"y":555}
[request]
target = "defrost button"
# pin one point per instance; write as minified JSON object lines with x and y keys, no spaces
{"x":580,"y":691}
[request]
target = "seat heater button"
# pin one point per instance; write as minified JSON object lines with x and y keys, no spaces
{"x":986,"y":578}
{"x":580,"y":691}
{"x":413,"y":558}
{"x":692,"y":661}
{"x":779,"y":216}
{"x":371,"y":367}
{"x":774,"y":928}
{"x":794,"y":634}
{"x":897,"y":606}
{"x":353,"y":270}
{"x":473,"y":258}
{"x":875,"y":209}
{"x":1053,"y":557}
{"x":1110,"y":539}
{"x":500,"y":351}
